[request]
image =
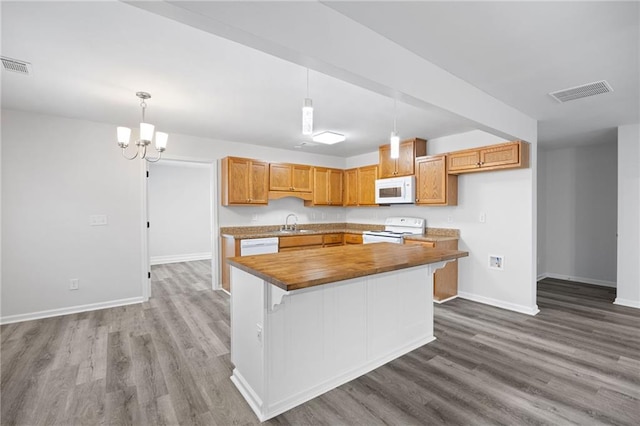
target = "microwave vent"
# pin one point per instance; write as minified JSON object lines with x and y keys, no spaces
{"x":583,"y":91}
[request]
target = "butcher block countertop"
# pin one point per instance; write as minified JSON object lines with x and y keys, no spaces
{"x":296,"y":270}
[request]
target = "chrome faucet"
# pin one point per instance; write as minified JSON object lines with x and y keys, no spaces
{"x":288,"y":227}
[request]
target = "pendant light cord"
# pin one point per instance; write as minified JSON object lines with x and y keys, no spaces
{"x":395,"y":114}
{"x":307,"y":82}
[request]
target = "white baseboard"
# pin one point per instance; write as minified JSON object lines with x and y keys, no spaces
{"x":627,"y":302}
{"x":577,"y":279}
{"x":529,"y":310}
{"x":70,"y":310}
{"x":440,"y":302}
{"x":161,"y":260}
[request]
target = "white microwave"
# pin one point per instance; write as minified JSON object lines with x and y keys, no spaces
{"x":397,"y":190}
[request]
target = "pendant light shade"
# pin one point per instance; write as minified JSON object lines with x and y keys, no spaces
{"x":124,"y":135}
{"x":161,"y":141}
{"x":307,"y":117}
{"x":395,"y":144}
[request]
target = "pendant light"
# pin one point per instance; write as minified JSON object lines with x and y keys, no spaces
{"x":307,"y":112}
{"x":394,"y":140}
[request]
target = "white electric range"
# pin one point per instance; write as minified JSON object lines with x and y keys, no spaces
{"x":395,"y":228}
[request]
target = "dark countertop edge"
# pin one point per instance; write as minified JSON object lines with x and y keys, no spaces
{"x":455,"y":254}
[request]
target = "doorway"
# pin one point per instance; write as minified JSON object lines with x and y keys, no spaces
{"x":180,"y":221}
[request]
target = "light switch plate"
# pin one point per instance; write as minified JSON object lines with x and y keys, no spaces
{"x":98,"y":220}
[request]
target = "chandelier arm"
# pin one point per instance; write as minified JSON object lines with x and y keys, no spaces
{"x":144,"y":152}
{"x":129,"y":158}
{"x":155,"y":160}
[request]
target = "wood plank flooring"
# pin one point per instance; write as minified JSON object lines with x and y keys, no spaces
{"x":166,"y":362}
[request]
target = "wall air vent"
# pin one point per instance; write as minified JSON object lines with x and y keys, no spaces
{"x":15,"y":65}
{"x":573,"y":93}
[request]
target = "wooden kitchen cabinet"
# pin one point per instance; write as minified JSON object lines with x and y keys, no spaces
{"x":445,"y":280}
{"x":229,"y":247}
{"x":404,"y":164}
{"x":352,"y":238}
{"x":289,"y":177}
{"x":510,"y":155}
{"x":244,"y":181}
{"x":327,"y":187}
{"x":434,"y":186}
{"x":360,"y":186}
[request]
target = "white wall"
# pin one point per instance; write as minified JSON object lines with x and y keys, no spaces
{"x":577,"y":215}
{"x":628,"y":292}
{"x":507,"y":199}
{"x":179,"y":195}
{"x":56,"y":172}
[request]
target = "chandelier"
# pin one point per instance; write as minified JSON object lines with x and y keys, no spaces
{"x":146,"y":135}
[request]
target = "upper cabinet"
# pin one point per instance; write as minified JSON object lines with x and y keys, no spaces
{"x":434,"y":186}
{"x":327,"y":187}
{"x":244,"y":181}
{"x":510,"y":155}
{"x":404,"y":164}
{"x":359,"y":186}
{"x":289,"y":177}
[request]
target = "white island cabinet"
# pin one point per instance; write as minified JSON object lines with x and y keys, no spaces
{"x":289,"y":346}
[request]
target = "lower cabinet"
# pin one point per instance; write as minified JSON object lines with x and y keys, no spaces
{"x":353,"y":239}
{"x":445,"y":282}
{"x":300,"y":242}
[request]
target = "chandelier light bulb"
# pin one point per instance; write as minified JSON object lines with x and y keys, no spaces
{"x":161,"y":141}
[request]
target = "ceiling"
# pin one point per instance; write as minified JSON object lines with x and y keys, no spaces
{"x":89,"y":59}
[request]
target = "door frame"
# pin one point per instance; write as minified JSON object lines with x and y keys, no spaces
{"x":213,"y":220}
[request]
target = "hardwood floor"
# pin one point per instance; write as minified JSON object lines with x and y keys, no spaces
{"x":167,"y":362}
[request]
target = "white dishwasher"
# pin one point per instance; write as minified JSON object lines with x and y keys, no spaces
{"x":258,"y":246}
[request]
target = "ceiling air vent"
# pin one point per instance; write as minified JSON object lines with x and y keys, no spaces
{"x":14,"y":65}
{"x":573,"y":93}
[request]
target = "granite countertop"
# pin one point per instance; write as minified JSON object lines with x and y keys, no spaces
{"x":246,"y":232}
{"x":327,"y":265}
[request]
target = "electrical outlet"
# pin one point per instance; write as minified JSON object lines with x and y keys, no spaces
{"x":496,"y":261}
{"x":254,"y":218}
{"x":74,"y":284}
{"x":98,"y":220}
{"x":450,"y":219}
{"x":483,"y":217}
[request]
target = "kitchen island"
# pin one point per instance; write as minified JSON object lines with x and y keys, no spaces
{"x":305,"y":322}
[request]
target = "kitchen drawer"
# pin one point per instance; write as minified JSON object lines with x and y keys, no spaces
{"x":329,"y":239}
{"x":353,"y":238}
{"x":300,"y":241}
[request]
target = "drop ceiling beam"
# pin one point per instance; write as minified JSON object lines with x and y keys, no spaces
{"x":315,"y":36}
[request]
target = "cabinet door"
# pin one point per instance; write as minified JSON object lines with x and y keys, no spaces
{"x":464,"y":160}
{"x":335,"y":187}
{"x":238,"y":174}
{"x":279,"y":177}
{"x":367,"y":185}
{"x":386,"y":163}
{"x":500,"y":155}
{"x":320,"y":186}
{"x":406,"y":159}
{"x":300,"y":178}
{"x":351,"y":187}
{"x":259,"y":183}
{"x":431,"y":180}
